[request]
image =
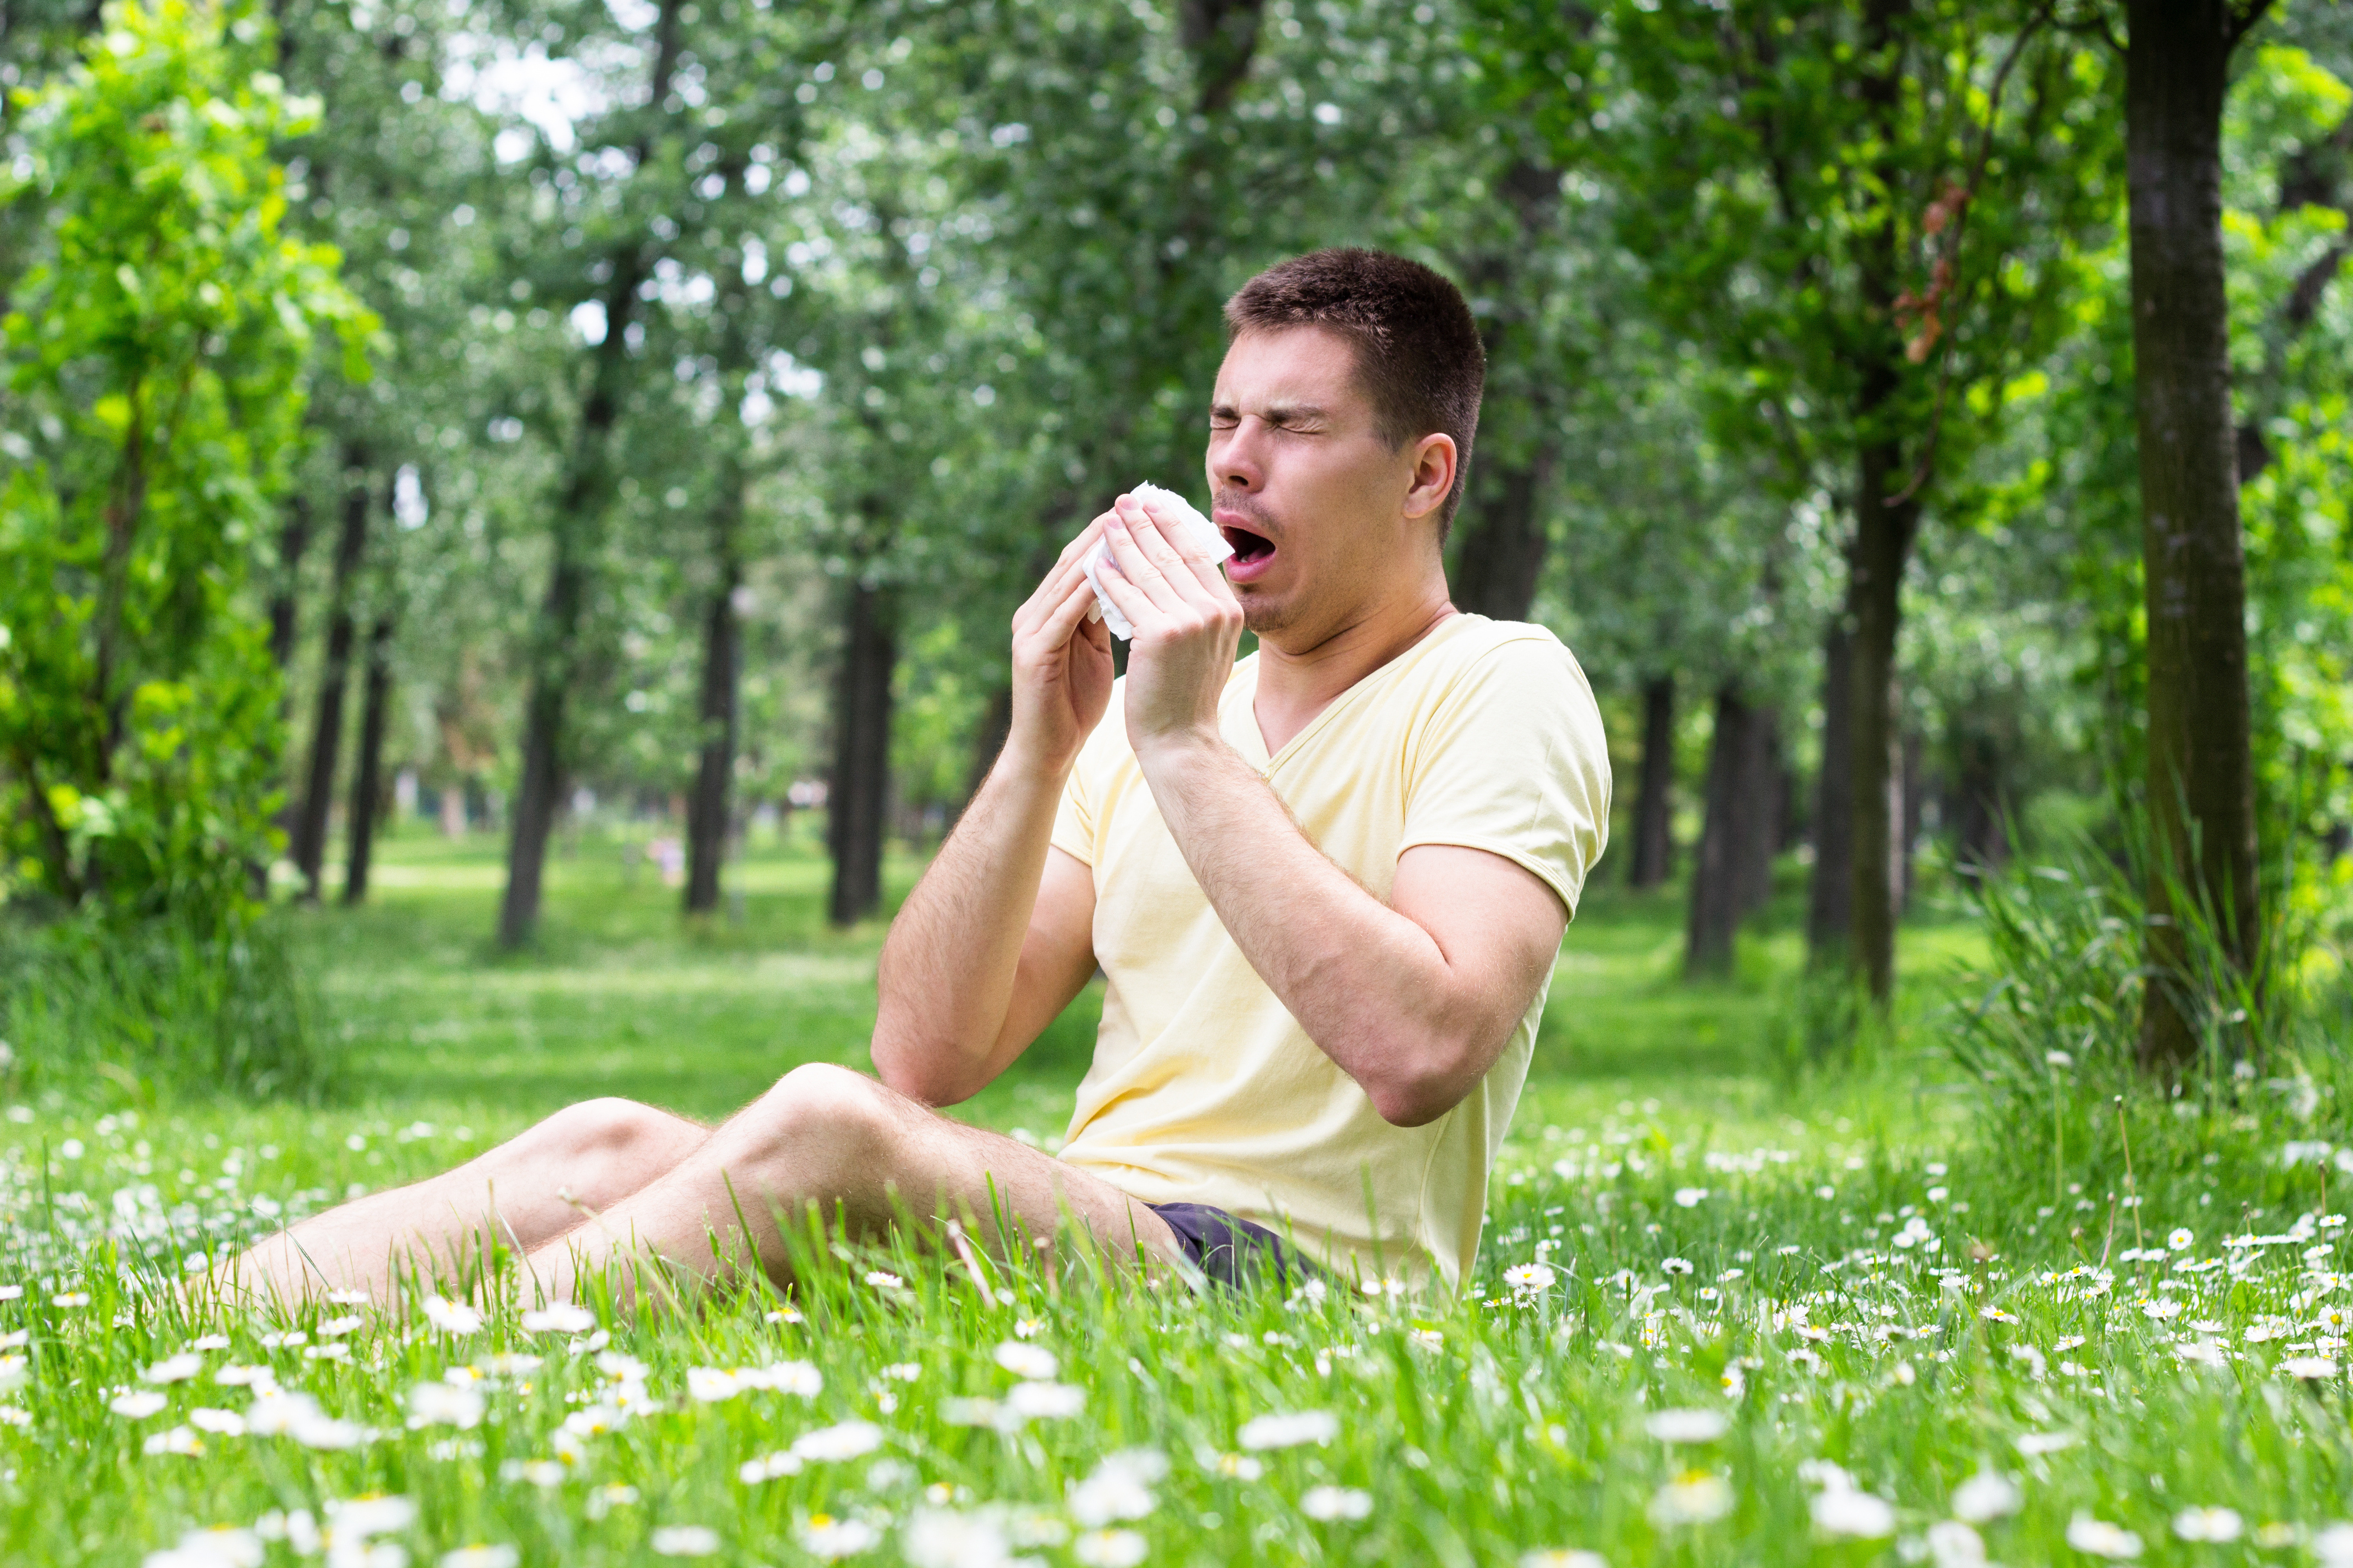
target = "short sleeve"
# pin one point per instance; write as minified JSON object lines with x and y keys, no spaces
{"x":1513,"y":761}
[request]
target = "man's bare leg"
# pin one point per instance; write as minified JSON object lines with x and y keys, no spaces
{"x":520,"y":1196}
{"x":835,"y":1137}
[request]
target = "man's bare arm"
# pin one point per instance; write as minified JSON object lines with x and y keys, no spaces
{"x":1414,"y":999}
{"x":998,"y":935}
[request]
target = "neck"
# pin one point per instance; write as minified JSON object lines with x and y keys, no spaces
{"x":1296,"y":684}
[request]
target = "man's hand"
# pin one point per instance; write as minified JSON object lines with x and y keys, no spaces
{"x":1061,"y":663}
{"x":1188,"y":626}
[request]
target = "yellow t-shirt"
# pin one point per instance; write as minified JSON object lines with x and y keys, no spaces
{"x":1204,"y":1087}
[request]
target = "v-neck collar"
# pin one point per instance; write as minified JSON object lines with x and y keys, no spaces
{"x":1244,"y":735}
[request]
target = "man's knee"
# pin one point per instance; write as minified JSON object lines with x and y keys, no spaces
{"x":609,"y":1131}
{"x":829,"y":1125}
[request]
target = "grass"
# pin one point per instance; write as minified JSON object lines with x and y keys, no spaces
{"x":1727,"y":1311}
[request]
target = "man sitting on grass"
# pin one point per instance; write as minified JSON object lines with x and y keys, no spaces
{"x":1325,"y":886}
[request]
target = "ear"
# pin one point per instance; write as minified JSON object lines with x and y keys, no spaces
{"x":1435,"y":463}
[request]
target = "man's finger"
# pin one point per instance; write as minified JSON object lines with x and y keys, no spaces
{"x":1161,"y":545}
{"x":1055,"y":628}
{"x":1207,"y":570}
{"x":1140,"y":570}
{"x":1068,"y":568}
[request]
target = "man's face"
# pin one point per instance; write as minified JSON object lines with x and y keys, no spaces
{"x":1304,"y":488}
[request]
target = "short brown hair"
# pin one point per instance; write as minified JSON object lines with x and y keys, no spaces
{"x":1419,"y":356}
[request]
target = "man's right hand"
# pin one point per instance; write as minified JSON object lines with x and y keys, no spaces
{"x":1062,"y":664}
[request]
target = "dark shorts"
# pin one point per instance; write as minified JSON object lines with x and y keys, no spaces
{"x":1231,"y":1250}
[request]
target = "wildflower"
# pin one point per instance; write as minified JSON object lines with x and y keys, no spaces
{"x":1675,"y":1265}
{"x":883,"y":1281}
{"x":1690,"y":1197}
{"x":220,"y":1423}
{"x":903,"y":1370}
{"x":1562,"y":1557}
{"x":2207,"y":1524}
{"x":545,"y":1474}
{"x":174,"y":1369}
{"x":136,"y":1406}
{"x":1335,"y":1503}
{"x":1695,"y":1496}
{"x":942,"y":1537}
{"x":1952,"y":1545}
{"x":451,"y":1317}
{"x":15,"y":1415}
{"x":830,"y":1539}
{"x":684,"y":1541}
{"x":1997,"y":1315}
{"x":784,"y":1315}
{"x":2035,"y":1444}
{"x":607,"y":1497}
{"x":2310,"y":1368}
{"x":752,"y":1472}
{"x":561,"y":1317}
{"x":1529,"y":1277}
{"x":1119,"y":1489}
{"x":178,"y":1440}
{"x":1686,"y":1426}
{"x":2162,"y":1309}
{"x":336,"y":1328}
{"x":1034,"y":1362}
{"x":2101,"y":1539}
{"x":784,"y":1377}
{"x":1985,"y":1496}
{"x":1844,"y":1510}
{"x":1426,"y":1339}
{"x":441,"y":1405}
{"x":1109,"y":1549}
{"x":2333,"y":1546}
{"x":849,"y":1441}
{"x":482,"y":1557}
{"x":373,"y":1514}
{"x":2070,"y":1343}
{"x":710,"y":1385}
{"x":1265,"y":1431}
{"x":1239,"y":1468}
{"x":1045,"y":1401}
{"x":221,"y":1546}
{"x":70,"y":1299}
{"x":2182,"y":1239}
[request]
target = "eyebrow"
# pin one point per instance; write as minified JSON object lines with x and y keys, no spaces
{"x":1280,"y":414}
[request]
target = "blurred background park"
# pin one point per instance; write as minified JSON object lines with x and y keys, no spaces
{"x":510,"y":508}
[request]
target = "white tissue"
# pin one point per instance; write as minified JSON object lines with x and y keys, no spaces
{"x":1196,"y":529}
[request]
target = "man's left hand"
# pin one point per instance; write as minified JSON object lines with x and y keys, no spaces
{"x":1188,"y":626}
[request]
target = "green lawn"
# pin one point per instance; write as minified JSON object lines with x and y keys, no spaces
{"x":1729,"y":1309}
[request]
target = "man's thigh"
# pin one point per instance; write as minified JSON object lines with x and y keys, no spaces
{"x":935,"y":1166}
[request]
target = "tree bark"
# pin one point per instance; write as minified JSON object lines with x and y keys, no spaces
{"x":1737,"y":838}
{"x":2201,"y":763}
{"x":1874,"y":604}
{"x":857,"y":794}
{"x":1912,"y":798}
{"x":368,"y":777}
{"x":708,"y":804}
{"x":1829,"y":907}
{"x":1980,"y":798}
{"x":310,"y":838}
{"x":989,"y":740}
{"x":293,"y":539}
{"x":1502,"y":555}
{"x":1654,"y":804}
{"x":583,"y":499}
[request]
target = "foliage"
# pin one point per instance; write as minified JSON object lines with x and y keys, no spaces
{"x":155,"y":361}
{"x":171,"y":1007}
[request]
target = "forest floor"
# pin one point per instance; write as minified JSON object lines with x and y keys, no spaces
{"x":1731,"y":1307}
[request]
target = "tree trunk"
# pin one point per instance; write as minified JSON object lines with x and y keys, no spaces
{"x":367,"y":779}
{"x":1756,"y":822}
{"x":1655,"y":803}
{"x":989,"y":740}
{"x":293,"y":539}
{"x":1736,"y":837}
{"x":1980,"y":839}
{"x":1830,"y":906}
{"x":857,"y":794}
{"x":585,"y":495}
{"x":2200,"y":765}
{"x":1913,"y":794}
{"x":1502,"y":555}
{"x":1875,"y":604}
{"x":310,"y":839}
{"x":707,"y":804}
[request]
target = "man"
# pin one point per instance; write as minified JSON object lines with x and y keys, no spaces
{"x":1326,"y":886}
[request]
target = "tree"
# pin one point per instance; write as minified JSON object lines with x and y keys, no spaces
{"x":156,"y":381}
{"x":2201,"y":796}
{"x":1863,"y":211}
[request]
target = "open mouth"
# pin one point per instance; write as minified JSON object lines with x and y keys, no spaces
{"x":1248,"y":546}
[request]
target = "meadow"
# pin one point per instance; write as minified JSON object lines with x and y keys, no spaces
{"x":1734,"y":1305}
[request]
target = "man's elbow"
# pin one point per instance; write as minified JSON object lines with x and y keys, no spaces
{"x":1420,"y":1097}
{"x":920,"y":1074}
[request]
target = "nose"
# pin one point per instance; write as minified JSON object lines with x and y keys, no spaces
{"x":1235,"y":462}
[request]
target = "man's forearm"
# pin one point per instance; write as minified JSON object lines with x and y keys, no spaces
{"x":948,"y":966}
{"x":1372,"y":988}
